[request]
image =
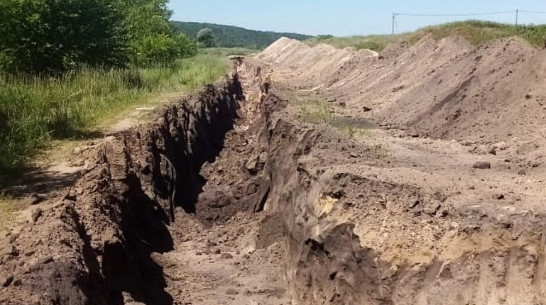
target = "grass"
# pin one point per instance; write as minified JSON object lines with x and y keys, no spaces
{"x":229,"y":51}
{"x":350,"y":131}
{"x":382,"y":151}
{"x":34,"y":111}
{"x":373,"y":42}
{"x":7,"y":213}
{"x":476,"y":32}
{"x":316,"y":111}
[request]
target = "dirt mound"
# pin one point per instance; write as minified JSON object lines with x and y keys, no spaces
{"x":443,"y":88}
{"x":312,"y":64}
{"x":361,"y":234}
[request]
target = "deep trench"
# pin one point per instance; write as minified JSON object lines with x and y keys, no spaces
{"x":144,"y":175}
{"x":171,"y":153}
{"x":206,"y":142}
{"x":191,"y":133}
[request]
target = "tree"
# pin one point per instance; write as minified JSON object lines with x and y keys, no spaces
{"x":53,"y":36}
{"x":149,"y":33}
{"x":205,"y":38}
{"x":151,"y":37}
{"x":186,"y":46}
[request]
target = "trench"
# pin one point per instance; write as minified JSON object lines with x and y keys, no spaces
{"x":188,"y":135}
{"x":124,"y":210}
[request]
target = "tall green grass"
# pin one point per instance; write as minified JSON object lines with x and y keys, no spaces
{"x":34,"y":110}
{"x":476,"y":32}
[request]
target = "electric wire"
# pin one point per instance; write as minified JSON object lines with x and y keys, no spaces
{"x":454,"y":15}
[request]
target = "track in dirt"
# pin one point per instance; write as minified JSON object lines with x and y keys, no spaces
{"x":230,"y":198}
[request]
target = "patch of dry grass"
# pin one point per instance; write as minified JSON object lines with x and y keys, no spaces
{"x":7,"y":213}
{"x":475,"y":31}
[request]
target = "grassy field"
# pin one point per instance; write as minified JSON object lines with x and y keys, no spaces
{"x":34,"y":111}
{"x":372,"y":42}
{"x":476,"y":32}
{"x":229,"y":51}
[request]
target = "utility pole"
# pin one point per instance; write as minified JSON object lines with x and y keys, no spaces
{"x":517,"y":15}
{"x":393,"y":21}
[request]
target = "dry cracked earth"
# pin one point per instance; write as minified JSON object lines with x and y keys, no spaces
{"x":310,"y":175}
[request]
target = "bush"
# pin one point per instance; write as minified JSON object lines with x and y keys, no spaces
{"x":205,"y":38}
{"x":324,"y":37}
{"x":185,"y":46}
{"x":154,"y":49}
{"x":53,"y":36}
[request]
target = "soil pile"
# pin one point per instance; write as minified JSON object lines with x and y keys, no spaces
{"x":444,"y":89}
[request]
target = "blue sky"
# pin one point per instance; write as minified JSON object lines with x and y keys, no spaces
{"x":346,"y":17}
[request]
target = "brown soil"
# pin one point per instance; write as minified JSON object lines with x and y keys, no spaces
{"x":229,"y":197}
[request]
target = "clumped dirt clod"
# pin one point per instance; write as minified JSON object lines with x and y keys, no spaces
{"x":229,"y":197}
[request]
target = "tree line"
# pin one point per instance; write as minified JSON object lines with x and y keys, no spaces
{"x":44,"y":37}
{"x":231,"y":36}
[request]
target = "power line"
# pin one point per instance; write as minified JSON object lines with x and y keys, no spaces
{"x":516,"y":12}
{"x":455,"y":15}
{"x":532,"y":12}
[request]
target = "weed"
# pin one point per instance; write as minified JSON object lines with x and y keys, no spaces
{"x":319,"y":112}
{"x":382,"y":152}
{"x":316,"y":112}
{"x":366,"y":133}
{"x":350,"y":131}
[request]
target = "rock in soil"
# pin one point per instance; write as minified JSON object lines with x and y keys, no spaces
{"x":482,"y":165}
{"x":226,"y":256}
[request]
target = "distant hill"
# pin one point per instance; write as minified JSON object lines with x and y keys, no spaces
{"x":231,"y":36}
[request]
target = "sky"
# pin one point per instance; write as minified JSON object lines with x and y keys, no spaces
{"x":348,"y":17}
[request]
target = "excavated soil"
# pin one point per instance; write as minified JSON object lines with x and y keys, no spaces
{"x":423,"y":185}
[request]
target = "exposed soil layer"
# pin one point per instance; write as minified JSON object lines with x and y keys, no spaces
{"x":425,"y":223}
{"x":93,"y":245}
{"x":230,"y":198}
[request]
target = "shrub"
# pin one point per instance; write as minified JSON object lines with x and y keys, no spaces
{"x":53,"y":36}
{"x":205,"y":38}
{"x":185,"y":46}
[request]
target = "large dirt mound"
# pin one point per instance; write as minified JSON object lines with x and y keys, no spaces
{"x":443,"y":88}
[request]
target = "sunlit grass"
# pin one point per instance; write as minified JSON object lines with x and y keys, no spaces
{"x":34,"y":110}
{"x":7,"y":213}
{"x":229,"y":51}
{"x":315,"y":112}
{"x":372,"y":42}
